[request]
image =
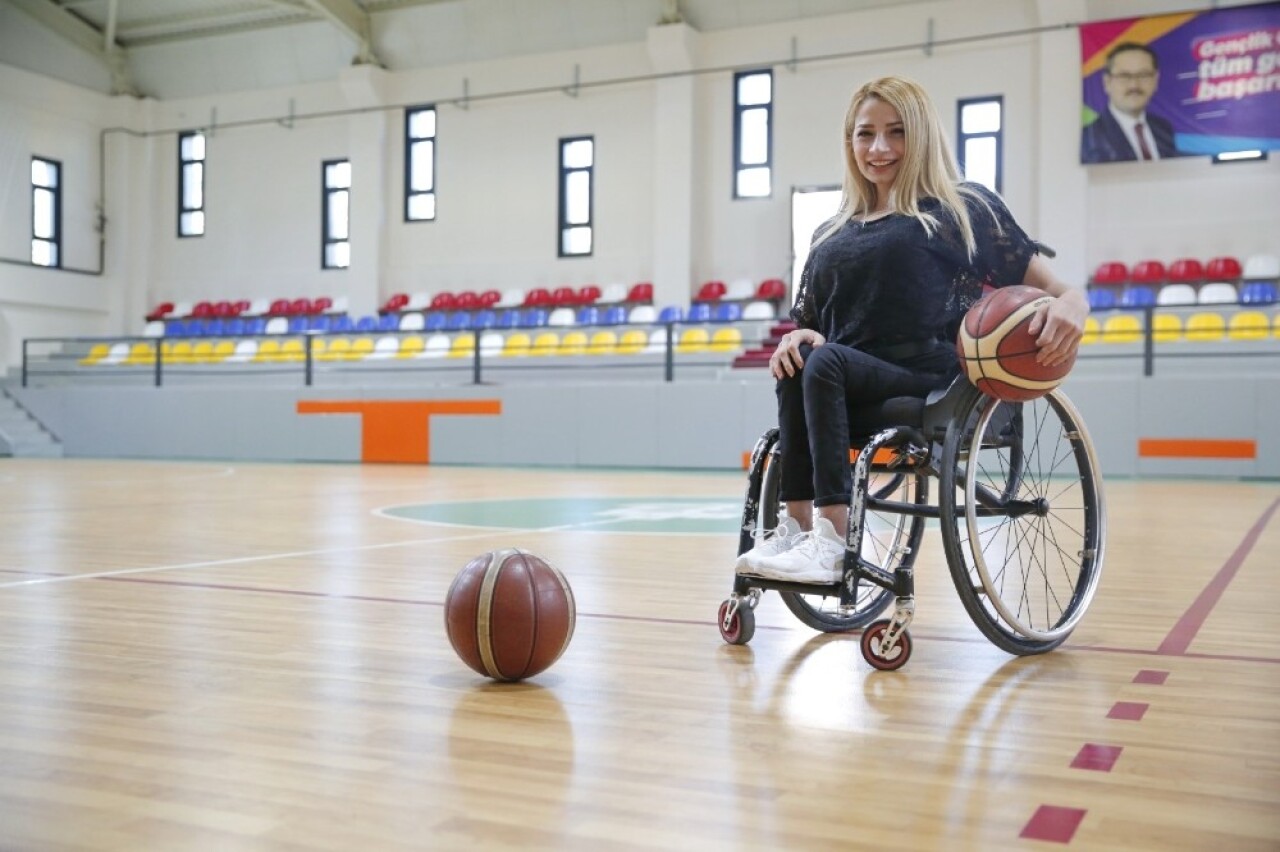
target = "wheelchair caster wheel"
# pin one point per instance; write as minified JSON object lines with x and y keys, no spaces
{"x":879,"y":657}
{"x":740,"y":627}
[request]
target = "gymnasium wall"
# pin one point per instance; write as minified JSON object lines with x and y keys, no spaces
{"x":1151,"y":426}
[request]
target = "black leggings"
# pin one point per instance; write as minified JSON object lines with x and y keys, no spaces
{"x":814,"y":409}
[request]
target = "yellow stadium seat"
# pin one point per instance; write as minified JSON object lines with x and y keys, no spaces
{"x":222,"y":350}
{"x":726,"y":340}
{"x":179,"y":352}
{"x":633,"y":342}
{"x":95,"y":354}
{"x":1249,"y":325}
{"x":546,"y":343}
{"x":1166,"y":328}
{"x":1092,"y":330}
{"x":516,"y":345}
{"x":412,"y":346}
{"x":574,"y":343}
{"x":693,"y":340}
{"x":268,"y":352}
{"x":603,"y":343}
{"x":1121,"y":328}
{"x":361,"y":347}
{"x":337,"y":349}
{"x":1206,"y":327}
{"x":202,"y":352}
{"x":141,"y":353}
{"x":463,"y":346}
{"x":293,"y":349}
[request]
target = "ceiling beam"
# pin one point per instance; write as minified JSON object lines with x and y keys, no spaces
{"x":347,"y":16}
{"x":69,"y":26}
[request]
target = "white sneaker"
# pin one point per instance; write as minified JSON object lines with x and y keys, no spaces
{"x":786,"y":536}
{"x":818,"y":557}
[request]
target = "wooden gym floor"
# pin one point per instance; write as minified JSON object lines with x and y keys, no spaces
{"x":207,"y":656}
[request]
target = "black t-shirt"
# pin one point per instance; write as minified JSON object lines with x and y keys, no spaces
{"x":886,"y":282}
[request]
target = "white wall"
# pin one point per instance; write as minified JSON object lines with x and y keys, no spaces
{"x":497,"y":170}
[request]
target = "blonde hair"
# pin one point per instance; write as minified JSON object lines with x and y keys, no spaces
{"x":927,"y":169}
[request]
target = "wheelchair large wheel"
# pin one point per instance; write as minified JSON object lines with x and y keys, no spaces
{"x":887,"y":540}
{"x":1023,"y":520}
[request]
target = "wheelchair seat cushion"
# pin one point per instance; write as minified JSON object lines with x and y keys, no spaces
{"x":866,"y":420}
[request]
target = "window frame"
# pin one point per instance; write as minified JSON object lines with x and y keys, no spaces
{"x":409,"y":192}
{"x":997,"y":135}
{"x":564,"y":171}
{"x":325,"y":192}
{"x":182,"y":184}
{"x":55,"y":239}
{"x":738,"y":110}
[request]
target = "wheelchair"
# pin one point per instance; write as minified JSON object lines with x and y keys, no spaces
{"x":1019,"y":504}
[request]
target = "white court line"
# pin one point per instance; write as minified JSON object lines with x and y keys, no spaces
{"x":384,"y":513}
{"x":487,"y":533}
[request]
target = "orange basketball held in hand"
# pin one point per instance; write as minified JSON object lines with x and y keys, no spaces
{"x":998,"y":353}
{"x":509,"y":614}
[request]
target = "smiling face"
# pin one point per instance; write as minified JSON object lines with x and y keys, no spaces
{"x":879,"y":143}
{"x":1130,"y":80}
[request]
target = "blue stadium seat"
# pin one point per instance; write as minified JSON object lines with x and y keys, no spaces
{"x":1138,"y":296}
{"x":388,"y":322}
{"x":1258,"y":293}
{"x":298,"y":325}
{"x":319,"y":324}
{"x":701,"y":312}
{"x":615,"y":315}
{"x":727,"y":312}
{"x":589,"y":315}
{"x":671,"y":313}
{"x":255,"y":325}
{"x":435,"y":322}
{"x":509,"y":318}
{"x":534,"y":318}
{"x":484,"y":319}
{"x":366,"y":324}
{"x":213,"y":327}
{"x":175,"y":328}
{"x":1101,"y":300}
{"x":459,"y":321}
{"x":342,"y":324}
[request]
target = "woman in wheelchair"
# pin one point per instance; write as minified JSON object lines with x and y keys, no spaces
{"x":881,"y":297}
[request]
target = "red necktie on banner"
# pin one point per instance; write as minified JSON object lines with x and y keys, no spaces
{"x":1142,"y":141}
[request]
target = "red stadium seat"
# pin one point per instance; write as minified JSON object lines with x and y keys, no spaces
{"x":223,"y":309}
{"x":1224,"y":269}
{"x":589,"y":295}
{"x":538,"y":297}
{"x":240,"y":306}
{"x":1112,"y":273}
{"x":300,"y":307}
{"x":489,"y":298}
{"x":160,"y":311}
{"x":771,"y":290}
{"x":1150,"y":272}
{"x":395,"y":304}
{"x":468,"y":300}
{"x":203,"y":310}
{"x":711,"y":291}
{"x":564,"y":297}
{"x":640,"y":294}
{"x":443,"y":302}
{"x":1186,"y":270}
{"x":321,"y":305}
{"x":279,"y":308}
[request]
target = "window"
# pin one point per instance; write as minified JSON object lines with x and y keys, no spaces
{"x":420,"y":164}
{"x":577,"y":165}
{"x":752,"y":136}
{"x":336,"y":230}
{"x":46,"y":212}
{"x":981,"y":146}
{"x":810,"y":207}
{"x":191,"y":184}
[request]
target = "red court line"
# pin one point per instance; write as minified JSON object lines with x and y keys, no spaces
{"x":1128,"y":711}
{"x":1053,"y":823}
{"x":1151,"y":676}
{"x":1101,"y":758}
{"x":1184,"y":632}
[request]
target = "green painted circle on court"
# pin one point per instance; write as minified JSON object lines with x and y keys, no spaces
{"x":715,"y":515}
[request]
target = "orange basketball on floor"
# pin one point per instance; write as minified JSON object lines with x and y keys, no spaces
{"x":509,"y":614}
{"x":997,"y":352}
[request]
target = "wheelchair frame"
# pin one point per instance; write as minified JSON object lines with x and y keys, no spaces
{"x":960,"y":428}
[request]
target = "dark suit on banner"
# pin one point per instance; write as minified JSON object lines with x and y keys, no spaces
{"x":1104,"y":141}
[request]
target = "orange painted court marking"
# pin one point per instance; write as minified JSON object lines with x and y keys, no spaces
{"x":1196,"y":448}
{"x":884,"y":455}
{"x":398,"y":430}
